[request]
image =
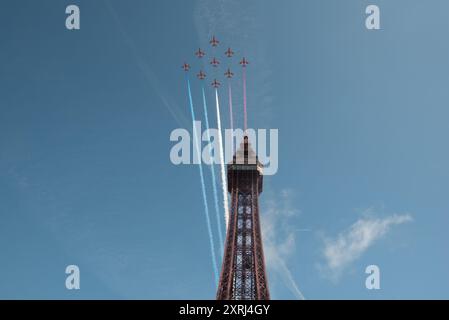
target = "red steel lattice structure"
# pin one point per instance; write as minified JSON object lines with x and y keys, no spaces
{"x":243,"y":275}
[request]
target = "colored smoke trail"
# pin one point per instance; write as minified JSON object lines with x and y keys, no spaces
{"x":222,"y":164}
{"x":214,"y":184}
{"x":244,"y":100}
{"x":231,"y":119}
{"x":203,"y":186}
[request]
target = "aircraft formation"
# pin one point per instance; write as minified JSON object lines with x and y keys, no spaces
{"x":214,"y":62}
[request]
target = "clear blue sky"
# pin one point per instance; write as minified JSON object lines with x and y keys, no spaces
{"x":85,"y":119}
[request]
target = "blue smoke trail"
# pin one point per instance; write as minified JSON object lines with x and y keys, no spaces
{"x":217,"y":211}
{"x":203,"y":187}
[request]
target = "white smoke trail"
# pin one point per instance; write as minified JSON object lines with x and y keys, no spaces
{"x":214,"y":183}
{"x":222,"y":164}
{"x":203,"y":186}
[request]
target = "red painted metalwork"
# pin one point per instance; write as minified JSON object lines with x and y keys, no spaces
{"x":243,"y":275}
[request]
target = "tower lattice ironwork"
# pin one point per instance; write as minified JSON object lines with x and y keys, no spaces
{"x":243,"y":275}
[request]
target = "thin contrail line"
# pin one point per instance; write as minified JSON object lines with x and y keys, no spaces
{"x":203,"y":187}
{"x":214,"y":183}
{"x":290,"y":281}
{"x":148,"y":73}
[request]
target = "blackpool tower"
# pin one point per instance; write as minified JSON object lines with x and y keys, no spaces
{"x":243,"y":275}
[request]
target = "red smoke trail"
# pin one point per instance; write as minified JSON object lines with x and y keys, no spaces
{"x":244,"y":100}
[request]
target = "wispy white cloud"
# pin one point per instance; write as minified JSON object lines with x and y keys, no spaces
{"x":340,"y":252}
{"x":279,"y":238}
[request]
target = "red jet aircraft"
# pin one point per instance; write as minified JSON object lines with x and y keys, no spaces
{"x":229,"y":53}
{"x":200,"y":53}
{"x":201,"y":75}
{"x":214,"y":62}
{"x":228,"y":74}
{"x":215,"y":84}
{"x":186,"y":66}
{"x":244,"y":62}
{"x":214,"y":42}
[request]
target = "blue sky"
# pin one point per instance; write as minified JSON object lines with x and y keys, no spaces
{"x":85,"y":120}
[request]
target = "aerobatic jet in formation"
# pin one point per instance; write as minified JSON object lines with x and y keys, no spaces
{"x":200,"y":53}
{"x":186,"y":66}
{"x":214,"y":42}
{"x":215,"y":84}
{"x":201,"y":75}
{"x":215,"y":62}
{"x":229,"y":53}
{"x":228,"y":74}
{"x":244,"y":62}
